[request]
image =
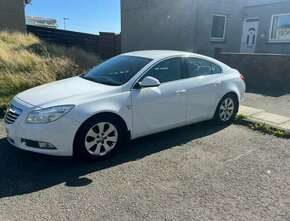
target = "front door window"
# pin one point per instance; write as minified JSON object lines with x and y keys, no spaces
{"x":166,"y":71}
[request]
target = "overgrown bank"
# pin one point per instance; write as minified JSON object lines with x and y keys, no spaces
{"x":26,"y":61}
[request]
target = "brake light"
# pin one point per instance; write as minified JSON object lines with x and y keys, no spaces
{"x":242,"y":77}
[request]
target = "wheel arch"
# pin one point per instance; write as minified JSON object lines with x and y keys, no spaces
{"x":230,"y":89}
{"x":108,"y":114}
{"x":105,"y":114}
{"x":234,"y":93}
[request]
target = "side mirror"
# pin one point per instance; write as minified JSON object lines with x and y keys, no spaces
{"x":149,"y":82}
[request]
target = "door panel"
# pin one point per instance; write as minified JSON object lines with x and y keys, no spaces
{"x":201,"y":97}
{"x":202,"y":86}
{"x":159,"y":108}
{"x":164,"y":107}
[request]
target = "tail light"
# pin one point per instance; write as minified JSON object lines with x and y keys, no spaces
{"x":242,"y":77}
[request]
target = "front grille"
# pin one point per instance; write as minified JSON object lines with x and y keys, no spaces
{"x":12,"y":114}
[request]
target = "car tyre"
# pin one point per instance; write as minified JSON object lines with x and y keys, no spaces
{"x":99,"y":138}
{"x":227,"y":109}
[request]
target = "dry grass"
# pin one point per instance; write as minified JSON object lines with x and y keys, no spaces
{"x":25,"y":62}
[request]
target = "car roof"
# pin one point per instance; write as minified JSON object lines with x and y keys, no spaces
{"x":163,"y":54}
{"x":157,"y":54}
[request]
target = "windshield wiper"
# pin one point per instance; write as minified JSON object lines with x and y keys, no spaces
{"x":100,"y":81}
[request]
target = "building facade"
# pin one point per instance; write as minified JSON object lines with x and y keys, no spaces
{"x":207,"y":26}
{"x":41,"y":22}
{"x":272,"y":19}
{"x":12,"y":15}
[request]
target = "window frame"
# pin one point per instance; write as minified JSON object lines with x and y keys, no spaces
{"x":202,"y":59}
{"x":272,"y":40}
{"x":216,"y":39}
{"x":182,"y":69}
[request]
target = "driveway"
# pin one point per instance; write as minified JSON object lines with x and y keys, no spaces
{"x":200,"y":172}
{"x":270,"y":101}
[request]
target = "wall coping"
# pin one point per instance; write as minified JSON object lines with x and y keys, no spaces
{"x":255,"y":54}
{"x":261,"y":4}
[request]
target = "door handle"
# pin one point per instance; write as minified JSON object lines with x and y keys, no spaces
{"x":181,"y":91}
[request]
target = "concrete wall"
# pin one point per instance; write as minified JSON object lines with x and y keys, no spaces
{"x":158,"y":24}
{"x":12,"y":15}
{"x":187,"y":24}
{"x":181,"y":25}
{"x":262,"y":71}
{"x":264,"y":14}
{"x":207,"y":8}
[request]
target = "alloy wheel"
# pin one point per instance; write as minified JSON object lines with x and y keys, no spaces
{"x":101,"y":139}
{"x":227,"y":109}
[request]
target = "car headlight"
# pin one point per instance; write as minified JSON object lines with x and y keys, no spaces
{"x":47,"y":115}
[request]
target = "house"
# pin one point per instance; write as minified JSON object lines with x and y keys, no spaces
{"x":270,"y":20}
{"x":207,"y":26}
{"x":12,"y":15}
{"x":41,"y":22}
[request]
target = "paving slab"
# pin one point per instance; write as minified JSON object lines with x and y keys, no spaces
{"x":286,"y":126}
{"x":249,"y":110}
{"x":260,"y":116}
{"x":271,"y":118}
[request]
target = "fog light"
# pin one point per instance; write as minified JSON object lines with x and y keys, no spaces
{"x":38,"y":144}
{"x":45,"y":145}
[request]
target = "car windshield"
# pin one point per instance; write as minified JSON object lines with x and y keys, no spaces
{"x":117,"y":71}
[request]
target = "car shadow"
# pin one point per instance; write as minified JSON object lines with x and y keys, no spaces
{"x":24,"y":172}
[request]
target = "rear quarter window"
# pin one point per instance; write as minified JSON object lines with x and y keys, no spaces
{"x":199,"y":67}
{"x":216,"y":69}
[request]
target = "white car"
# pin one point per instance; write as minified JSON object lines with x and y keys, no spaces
{"x":129,"y":96}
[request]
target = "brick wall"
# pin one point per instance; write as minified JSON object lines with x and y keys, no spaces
{"x":105,"y":44}
{"x":262,"y":71}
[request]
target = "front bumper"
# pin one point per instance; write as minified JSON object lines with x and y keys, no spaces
{"x":59,"y":133}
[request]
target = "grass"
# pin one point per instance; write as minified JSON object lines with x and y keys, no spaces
{"x":26,"y":61}
{"x":262,"y":127}
{"x":241,"y":117}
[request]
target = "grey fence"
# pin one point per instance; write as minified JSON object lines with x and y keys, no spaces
{"x":105,"y":44}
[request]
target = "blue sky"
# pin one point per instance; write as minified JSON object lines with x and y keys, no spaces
{"x":90,"y":16}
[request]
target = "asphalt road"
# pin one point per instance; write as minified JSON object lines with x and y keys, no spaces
{"x":200,"y":172}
